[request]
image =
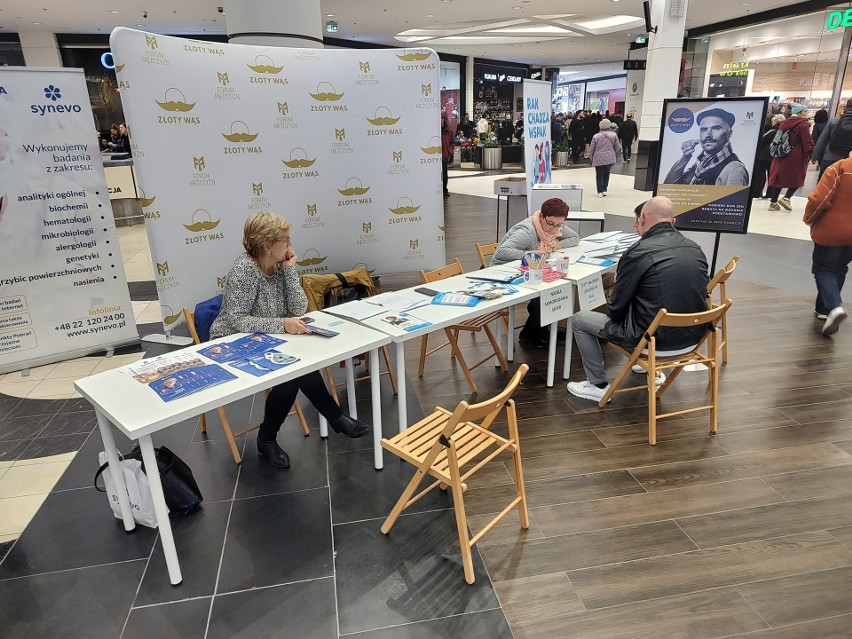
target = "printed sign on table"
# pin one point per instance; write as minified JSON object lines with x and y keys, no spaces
{"x":591,"y":292}
{"x":557,"y":303}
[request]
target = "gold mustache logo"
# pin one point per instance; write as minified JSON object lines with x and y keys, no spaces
{"x":119,"y":68}
{"x":364,"y":266}
{"x":257,"y":189}
{"x":171,"y":104}
{"x":298,"y":162}
{"x":222,"y":78}
{"x":198,"y":163}
{"x":426,"y":89}
{"x":220,"y":281}
{"x":169,"y":316}
{"x":680,"y":119}
{"x":283,"y":108}
{"x":240,"y":136}
{"x":366,"y":227}
{"x":413,"y":244}
{"x":313,"y":260}
{"x":146,"y":201}
{"x":326,"y":95}
{"x":264,"y":64}
{"x":151,"y":42}
{"x":353,"y":186}
{"x":382,"y":120}
{"x":404,"y":206}
{"x":434,"y":146}
{"x":202,"y":224}
{"x":440,"y":227}
{"x":312,"y":209}
{"x":364,"y":66}
{"x":397,"y":156}
{"x":163,"y":269}
{"x":413,"y":57}
{"x":340,"y":134}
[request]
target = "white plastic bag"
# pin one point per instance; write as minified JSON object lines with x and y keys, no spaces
{"x":138,"y":490}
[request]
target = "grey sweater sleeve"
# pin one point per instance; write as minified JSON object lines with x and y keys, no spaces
{"x":520,"y":239}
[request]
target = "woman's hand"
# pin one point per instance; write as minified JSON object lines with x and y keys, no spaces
{"x":295,"y":326}
{"x":558,"y":245}
{"x":290,"y":259}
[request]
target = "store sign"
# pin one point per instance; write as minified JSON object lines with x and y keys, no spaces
{"x":837,"y":19}
{"x":734,"y":69}
{"x":490,"y":76}
{"x":513,"y":78}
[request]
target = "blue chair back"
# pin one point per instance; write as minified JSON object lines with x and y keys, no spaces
{"x":205,"y":313}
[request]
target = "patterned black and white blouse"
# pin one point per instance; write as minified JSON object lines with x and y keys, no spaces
{"x":257,"y":302}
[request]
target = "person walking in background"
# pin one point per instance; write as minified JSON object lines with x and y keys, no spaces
{"x":764,"y":158}
{"x":447,"y":148}
{"x":577,"y":133}
{"x":628,"y":133}
{"x":820,"y":122}
{"x":788,"y":171}
{"x":829,"y":214}
{"x":835,"y":141}
{"x":604,"y":150}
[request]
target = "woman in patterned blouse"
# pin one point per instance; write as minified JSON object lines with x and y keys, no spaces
{"x":263,"y":294}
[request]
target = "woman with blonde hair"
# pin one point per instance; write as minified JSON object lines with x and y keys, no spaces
{"x":263,"y":294}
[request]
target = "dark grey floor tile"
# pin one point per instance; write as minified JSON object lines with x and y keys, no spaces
{"x":5,"y":547}
{"x":29,"y":407}
{"x":308,"y":467}
{"x":27,"y":427}
{"x":412,"y":574}
{"x":490,"y":624}
{"x":305,"y":610}
{"x":81,"y":471}
{"x":53,"y":445}
{"x":199,"y":537}
{"x":213,"y":467}
{"x":8,"y":404}
{"x":239,"y":416}
{"x":76,"y":404}
{"x":89,"y":602}
{"x":359,"y":491}
{"x":11,"y":450}
{"x":67,"y":422}
{"x":181,"y":620}
{"x":277,"y":539}
{"x":73,"y":529}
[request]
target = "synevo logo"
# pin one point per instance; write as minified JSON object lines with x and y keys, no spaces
{"x":54,"y":93}
{"x":681,"y":120}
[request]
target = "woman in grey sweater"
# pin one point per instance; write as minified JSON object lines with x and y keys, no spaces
{"x":263,"y":294}
{"x":544,"y":232}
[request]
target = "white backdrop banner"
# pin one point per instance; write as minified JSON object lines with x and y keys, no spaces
{"x":63,"y":291}
{"x":343,"y":143}
{"x":536,"y":135}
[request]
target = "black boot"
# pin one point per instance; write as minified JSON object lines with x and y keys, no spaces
{"x":272,"y":451}
{"x":350,"y":427}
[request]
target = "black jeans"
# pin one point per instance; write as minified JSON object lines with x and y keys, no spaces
{"x":444,"y":166}
{"x":281,"y":399}
{"x":760,"y":175}
{"x":626,"y":149}
{"x":533,"y":329}
{"x":774,"y":191}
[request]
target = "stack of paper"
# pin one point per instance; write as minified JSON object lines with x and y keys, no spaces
{"x":398,"y":302}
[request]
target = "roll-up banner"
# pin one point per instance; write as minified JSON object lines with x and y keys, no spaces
{"x":536,"y":135}
{"x":63,"y":291}
{"x":708,"y":157}
{"x":343,"y":143}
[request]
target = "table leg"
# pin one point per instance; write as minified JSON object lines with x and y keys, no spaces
{"x":498,"y":325}
{"x":569,"y":346}
{"x":375,"y":387}
{"x":105,"y":427}
{"x":350,"y":388}
{"x":551,"y":354}
{"x":510,"y":338}
{"x":498,"y":218}
{"x":163,"y":523}
{"x":401,"y":390}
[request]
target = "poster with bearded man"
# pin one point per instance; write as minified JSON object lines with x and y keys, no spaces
{"x":707,"y":157}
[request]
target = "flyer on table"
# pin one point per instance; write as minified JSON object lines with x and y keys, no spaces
{"x":62,"y":285}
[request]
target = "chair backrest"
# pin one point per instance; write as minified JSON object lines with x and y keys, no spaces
{"x":683,"y":320}
{"x":488,"y":410}
{"x":722,"y":277}
{"x":453,"y":268}
{"x":200,"y":320}
{"x":190,"y":322}
{"x":485,"y":251}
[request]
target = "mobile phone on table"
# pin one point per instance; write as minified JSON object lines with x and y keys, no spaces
{"x":316,"y":330}
{"x":306,"y":319}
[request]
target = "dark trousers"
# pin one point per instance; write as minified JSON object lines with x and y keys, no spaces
{"x":830,"y":265}
{"x":577,"y":147}
{"x":823,"y":165}
{"x":774,"y":191}
{"x":281,"y":399}
{"x":444,"y":166}
{"x":602,"y":177}
{"x":627,"y":149}
{"x":761,"y":174}
{"x":532,"y":329}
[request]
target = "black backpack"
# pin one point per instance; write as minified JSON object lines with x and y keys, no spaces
{"x":346,"y":292}
{"x":840,"y":141}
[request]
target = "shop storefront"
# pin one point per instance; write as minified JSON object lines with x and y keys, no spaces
{"x":603,"y":94}
{"x":794,"y":58}
{"x":496,"y":90}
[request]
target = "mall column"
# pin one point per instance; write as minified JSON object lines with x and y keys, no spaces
{"x":662,"y":74}
{"x":275,"y":23}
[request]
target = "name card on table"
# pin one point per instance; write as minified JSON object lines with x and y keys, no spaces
{"x":591,"y":292}
{"x":557,"y":303}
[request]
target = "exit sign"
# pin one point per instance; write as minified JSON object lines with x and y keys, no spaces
{"x":837,"y":19}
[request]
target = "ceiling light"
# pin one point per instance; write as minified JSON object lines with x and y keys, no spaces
{"x":140,"y":25}
{"x":429,"y":15}
{"x":516,"y":8}
{"x":329,"y":15}
{"x":113,"y":11}
{"x":36,"y":22}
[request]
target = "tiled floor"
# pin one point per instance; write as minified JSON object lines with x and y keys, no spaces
{"x":299,"y":553}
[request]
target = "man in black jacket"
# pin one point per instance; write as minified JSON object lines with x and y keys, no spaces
{"x":662,"y":270}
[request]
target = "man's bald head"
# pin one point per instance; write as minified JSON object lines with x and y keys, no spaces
{"x":657,"y":209}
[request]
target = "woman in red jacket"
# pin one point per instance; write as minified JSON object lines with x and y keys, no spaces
{"x":788,"y":172}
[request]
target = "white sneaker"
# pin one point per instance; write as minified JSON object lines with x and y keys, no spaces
{"x":661,"y":376}
{"x":604,"y":193}
{"x":587,"y":390}
{"x":820,"y":316}
{"x":832,"y":322}
{"x":600,"y":194}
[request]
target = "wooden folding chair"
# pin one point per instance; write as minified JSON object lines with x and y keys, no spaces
{"x":442,"y":444}
{"x":474,"y":325}
{"x":484,"y":251}
{"x":647,"y":356}
{"x":226,"y":425}
{"x":719,"y":281}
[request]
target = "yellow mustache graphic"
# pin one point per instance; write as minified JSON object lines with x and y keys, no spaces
{"x":147,"y":201}
{"x":354,"y":190}
{"x":204,"y":225}
{"x":171,"y":319}
{"x":440,"y":227}
{"x":299,"y":164}
{"x":402,"y":210}
{"x":174,"y":105}
{"x":381,"y":121}
{"x":413,"y":57}
{"x":119,"y":68}
{"x":362,"y":264}
{"x":265,"y":68}
{"x":431,"y":150}
{"x":240,"y":137}
{"x":311,"y":261}
{"x":326,"y":97}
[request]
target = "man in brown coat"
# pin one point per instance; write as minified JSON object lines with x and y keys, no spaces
{"x":829,"y":214}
